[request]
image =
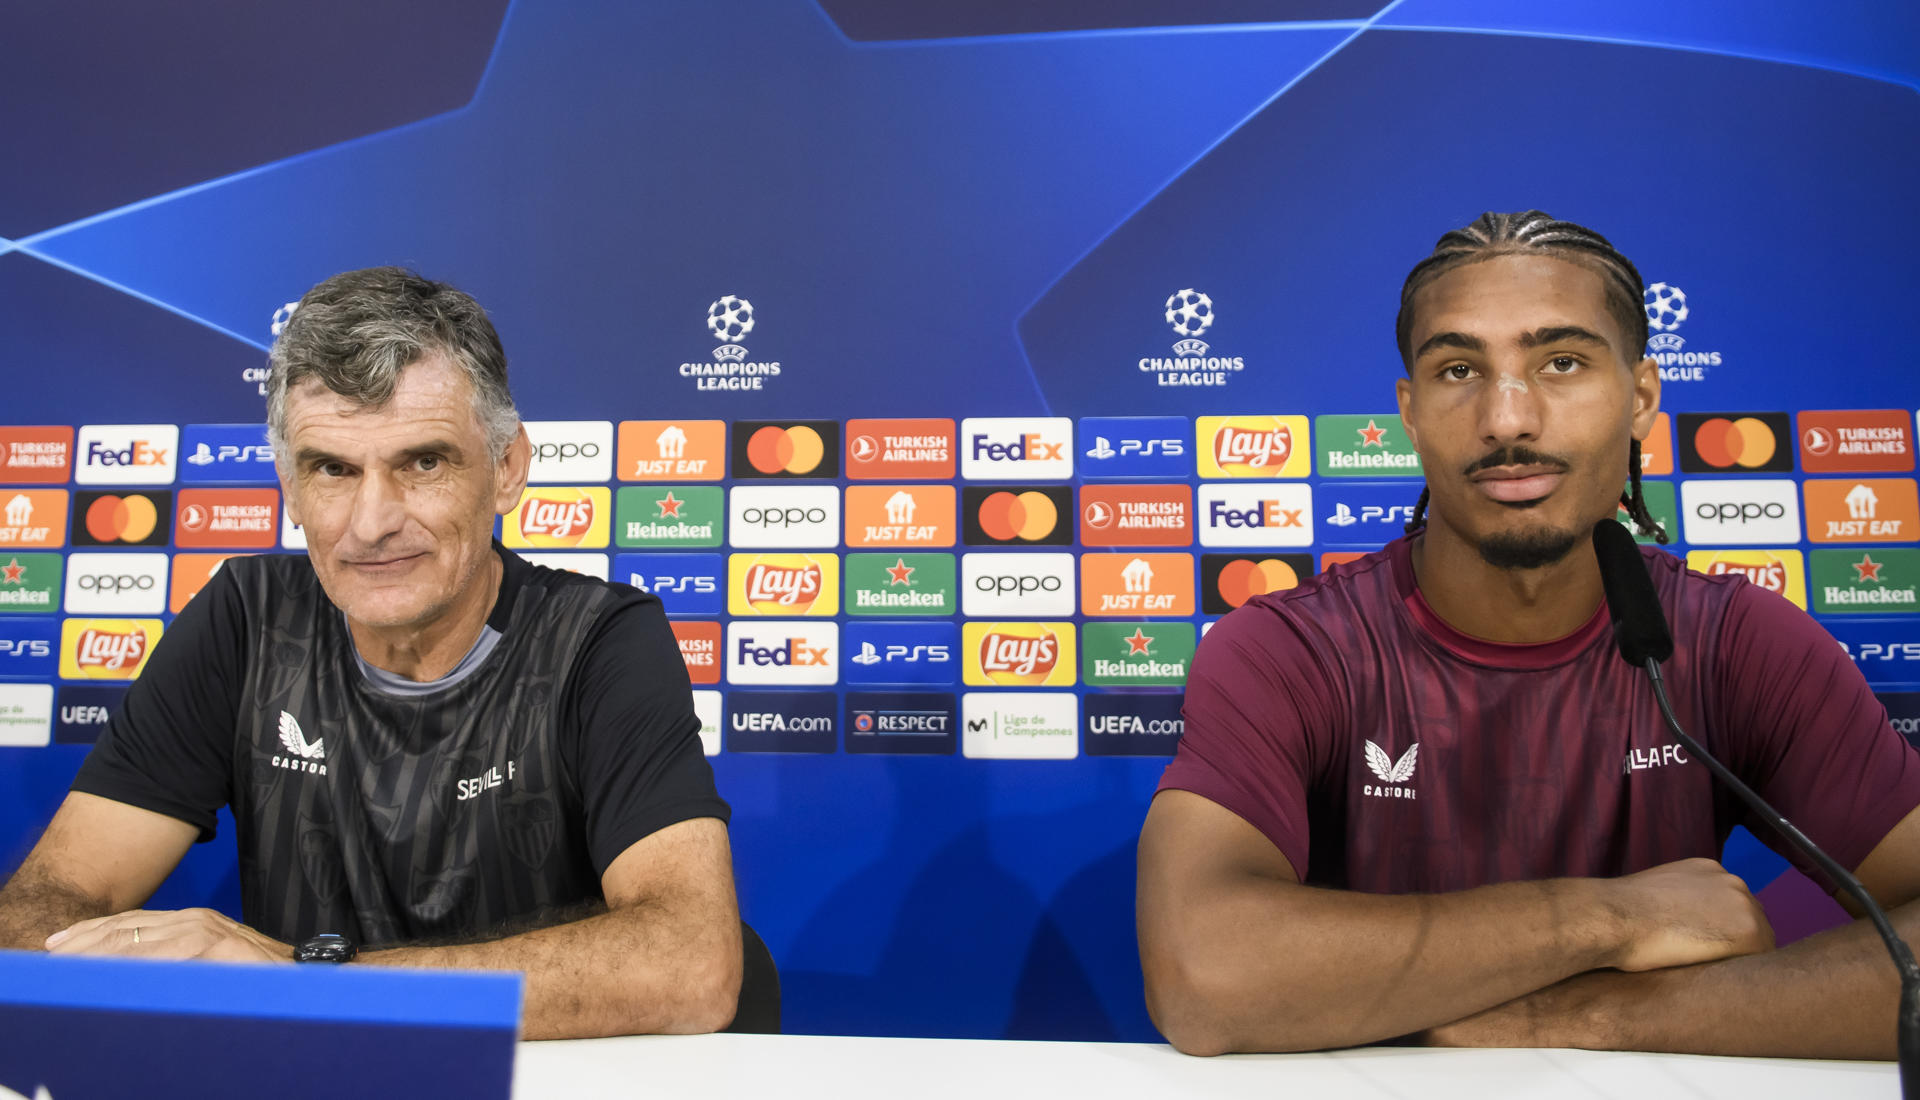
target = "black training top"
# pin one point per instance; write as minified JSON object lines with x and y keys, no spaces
{"x":392,"y":811}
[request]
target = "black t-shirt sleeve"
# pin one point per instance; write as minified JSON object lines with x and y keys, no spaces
{"x":169,"y":747}
{"x":637,"y":759}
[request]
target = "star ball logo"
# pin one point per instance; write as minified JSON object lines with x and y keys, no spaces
{"x":106,"y":649}
{"x":559,"y":518}
{"x":1253,"y":446}
{"x":1738,"y":442}
{"x":1017,"y":516}
{"x":1190,"y":312}
{"x":120,"y":519}
{"x":1780,"y":572}
{"x":789,"y":449}
{"x":729,"y":319}
{"x":1018,"y":654}
{"x":1667,"y":310}
{"x":1230,"y":580}
{"x":1866,"y":581}
{"x":783,"y":584}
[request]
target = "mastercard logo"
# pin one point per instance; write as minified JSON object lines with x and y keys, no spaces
{"x":1750,"y":442}
{"x":1022,"y":517}
{"x":794,"y":449}
{"x":1229,"y":580}
{"x":133,"y":519}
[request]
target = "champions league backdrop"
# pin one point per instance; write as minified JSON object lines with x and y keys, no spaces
{"x":946,"y":368}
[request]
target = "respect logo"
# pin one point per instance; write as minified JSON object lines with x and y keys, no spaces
{"x":783,"y":584}
{"x":1253,"y":446}
{"x":1018,"y":654}
{"x":559,"y":518}
{"x":106,"y":649}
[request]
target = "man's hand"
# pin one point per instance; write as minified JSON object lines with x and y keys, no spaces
{"x":1691,"y":911}
{"x":169,"y":934}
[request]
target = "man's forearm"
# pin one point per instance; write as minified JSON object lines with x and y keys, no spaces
{"x":1833,"y":995}
{"x":629,"y":971}
{"x":35,"y":904}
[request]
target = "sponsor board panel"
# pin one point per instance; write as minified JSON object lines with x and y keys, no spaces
{"x":1133,"y":724}
{"x":30,"y":584}
{"x":26,"y":715}
{"x":1136,"y":584}
{"x":687,"y":584}
{"x":1256,"y":514}
{"x":560,"y":517}
{"x":917,"y":723}
{"x":772,"y":517}
{"x":1135,"y":446}
{"x":1016,"y":448}
{"x":127,"y":454}
{"x":1780,"y":572}
{"x":1863,"y":581}
{"x":783,"y":584}
{"x":113,"y":584}
{"x":570,"y":451}
{"x":669,"y":517}
{"x":1018,"y":654}
{"x":999,"y":725}
{"x":84,"y":711}
{"x":782,"y":652}
{"x":782,"y":721}
{"x":1863,"y":510}
{"x":901,"y":450}
{"x":1741,"y":513}
{"x":901,"y":584}
{"x":106,"y":649}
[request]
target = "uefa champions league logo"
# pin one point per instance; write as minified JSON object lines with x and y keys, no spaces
{"x":730,"y":319}
{"x":1666,"y":309}
{"x":1190,"y":313}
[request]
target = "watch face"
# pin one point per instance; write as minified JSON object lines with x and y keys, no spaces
{"x":327,"y":948}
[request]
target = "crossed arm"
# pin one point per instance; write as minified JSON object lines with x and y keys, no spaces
{"x":1239,"y":956}
{"x":664,"y":957}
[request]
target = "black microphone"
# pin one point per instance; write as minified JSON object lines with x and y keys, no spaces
{"x":1640,"y":632}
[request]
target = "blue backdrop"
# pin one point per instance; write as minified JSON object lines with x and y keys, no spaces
{"x":939,"y":210}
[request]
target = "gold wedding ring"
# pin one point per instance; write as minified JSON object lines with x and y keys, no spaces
{"x":136,"y":933}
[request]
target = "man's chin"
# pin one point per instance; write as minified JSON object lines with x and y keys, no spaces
{"x":1528,"y":549}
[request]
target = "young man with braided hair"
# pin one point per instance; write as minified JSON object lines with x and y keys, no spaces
{"x":1420,"y":797}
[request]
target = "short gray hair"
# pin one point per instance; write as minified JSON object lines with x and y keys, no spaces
{"x":355,"y":332}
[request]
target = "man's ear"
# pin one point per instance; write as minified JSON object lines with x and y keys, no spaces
{"x":1403,"y":392}
{"x":1646,"y":397}
{"x":510,"y":475}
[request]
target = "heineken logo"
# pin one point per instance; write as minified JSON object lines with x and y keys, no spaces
{"x":669,"y":516}
{"x":1874,"y":581}
{"x":1136,"y":654}
{"x":900,"y":584}
{"x":1364,"y":446}
{"x":28,"y":582}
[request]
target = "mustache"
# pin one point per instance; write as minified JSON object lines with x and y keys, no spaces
{"x":1517,"y":455}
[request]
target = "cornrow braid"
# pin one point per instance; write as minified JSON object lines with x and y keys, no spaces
{"x":1633,"y":500}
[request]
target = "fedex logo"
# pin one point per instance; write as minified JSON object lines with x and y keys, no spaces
{"x":127,"y":454}
{"x":1019,"y":448}
{"x":783,"y":653}
{"x":1256,"y":514}
{"x":902,"y":653}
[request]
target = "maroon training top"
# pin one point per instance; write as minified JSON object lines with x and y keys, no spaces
{"x":1382,"y":750}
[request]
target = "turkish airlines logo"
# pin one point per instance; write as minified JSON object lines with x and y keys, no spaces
{"x":1862,"y":442}
{"x":699,"y":644}
{"x":39,"y":454}
{"x":1253,"y":446}
{"x":1136,"y":515}
{"x":246,"y":519}
{"x":560,"y":518}
{"x":784,"y":584}
{"x":900,"y":449}
{"x":1019,"y":654}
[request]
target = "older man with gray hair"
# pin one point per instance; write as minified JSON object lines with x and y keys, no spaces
{"x":437,"y":755}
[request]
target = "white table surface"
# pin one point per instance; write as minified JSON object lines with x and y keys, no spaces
{"x":791,"y":1067}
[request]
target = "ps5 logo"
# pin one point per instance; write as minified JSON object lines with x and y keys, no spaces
{"x":870,"y":655}
{"x":1103,"y":447}
{"x":1137,"y":446}
{"x":701,"y":586}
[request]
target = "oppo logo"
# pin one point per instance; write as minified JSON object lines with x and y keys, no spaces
{"x":1015,"y":584}
{"x":1745,"y":511}
{"x":561,"y":452}
{"x":109,"y":583}
{"x":782,"y":517}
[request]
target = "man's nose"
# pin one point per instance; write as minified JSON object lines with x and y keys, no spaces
{"x":1509,"y":409}
{"x":378,"y":509}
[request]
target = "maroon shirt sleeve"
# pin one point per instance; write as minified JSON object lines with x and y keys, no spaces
{"x":1799,"y":724}
{"x":1257,"y":728}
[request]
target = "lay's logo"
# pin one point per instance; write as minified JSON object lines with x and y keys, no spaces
{"x":783,"y":584}
{"x":1781,"y":572}
{"x":556,"y":518}
{"x":1254,"y":446}
{"x":1019,"y":654}
{"x":106,"y":649}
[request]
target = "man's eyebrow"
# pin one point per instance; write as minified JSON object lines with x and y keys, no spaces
{"x":1562,"y":334}
{"x":306,"y":456}
{"x":1451,"y":340}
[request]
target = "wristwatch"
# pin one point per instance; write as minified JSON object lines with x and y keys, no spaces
{"x":327,"y":947}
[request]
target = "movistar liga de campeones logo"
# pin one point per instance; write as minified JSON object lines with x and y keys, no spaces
{"x":1667,"y":310}
{"x":1190,"y":313}
{"x":730,"y":318}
